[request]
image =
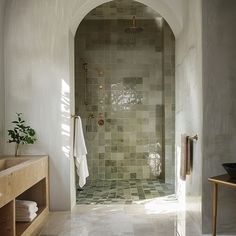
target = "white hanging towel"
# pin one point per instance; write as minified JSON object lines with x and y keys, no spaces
{"x":80,"y":152}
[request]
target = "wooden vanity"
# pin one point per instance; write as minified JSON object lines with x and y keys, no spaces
{"x":24,"y":178}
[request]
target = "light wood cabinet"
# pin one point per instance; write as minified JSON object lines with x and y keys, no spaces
{"x":27,"y":180}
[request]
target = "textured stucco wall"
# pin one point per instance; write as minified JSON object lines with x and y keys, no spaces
{"x":38,"y":77}
{"x":189,"y":104}
{"x":38,"y":84}
{"x":2,"y":86}
{"x":219,"y":93}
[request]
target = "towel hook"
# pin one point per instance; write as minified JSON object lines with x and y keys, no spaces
{"x":195,"y":137}
{"x":74,"y":116}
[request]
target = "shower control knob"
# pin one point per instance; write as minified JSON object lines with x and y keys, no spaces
{"x":101,"y":122}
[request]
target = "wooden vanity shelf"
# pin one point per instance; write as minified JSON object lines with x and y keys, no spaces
{"x":25,"y":181}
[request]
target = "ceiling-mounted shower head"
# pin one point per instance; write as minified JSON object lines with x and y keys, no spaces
{"x":133,"y":29}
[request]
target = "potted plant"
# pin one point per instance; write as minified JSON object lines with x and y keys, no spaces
{"x":21,"y":133}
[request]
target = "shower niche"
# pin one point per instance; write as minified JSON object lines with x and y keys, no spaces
{"x":125,"y":95}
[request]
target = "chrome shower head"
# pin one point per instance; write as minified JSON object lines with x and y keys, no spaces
{"x":133,"y":29}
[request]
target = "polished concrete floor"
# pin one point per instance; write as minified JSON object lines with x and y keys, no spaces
{"x":122,"y":191}
{"x":157,"y":217}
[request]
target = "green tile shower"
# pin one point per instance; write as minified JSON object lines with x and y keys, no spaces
{"x":125,"y":96}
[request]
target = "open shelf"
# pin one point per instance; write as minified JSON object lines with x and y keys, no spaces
{"x":24,"y":228}
{"x":36,"y":193}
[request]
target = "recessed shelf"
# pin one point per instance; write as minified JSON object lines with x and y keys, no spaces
{"x":36,"y":193}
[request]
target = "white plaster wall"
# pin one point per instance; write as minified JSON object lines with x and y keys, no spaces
{"x":189,"y":104}
{"x":38,"y":78}
{"x":38,"y":84}
{"x":2,"y":85}
{"x":219,"y":93}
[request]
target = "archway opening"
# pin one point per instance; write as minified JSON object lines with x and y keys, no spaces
{"x":125,"y":96}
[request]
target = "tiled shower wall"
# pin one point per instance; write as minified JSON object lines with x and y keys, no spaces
{"x":125,"y":88}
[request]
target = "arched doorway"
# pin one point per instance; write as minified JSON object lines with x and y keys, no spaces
{"x":126,"y":81}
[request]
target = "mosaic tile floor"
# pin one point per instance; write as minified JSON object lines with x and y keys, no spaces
{"x":122,"y":191}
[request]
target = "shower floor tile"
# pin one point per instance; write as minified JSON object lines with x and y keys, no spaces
{"x":122,"y":191}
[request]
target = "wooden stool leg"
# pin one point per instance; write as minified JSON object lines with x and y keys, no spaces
{"x":215,"y":197}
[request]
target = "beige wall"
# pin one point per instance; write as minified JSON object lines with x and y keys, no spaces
{"x":219,"y":117}
{"x":2,"y":85}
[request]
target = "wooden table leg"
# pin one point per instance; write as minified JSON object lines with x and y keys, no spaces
{"x":215,"y":197}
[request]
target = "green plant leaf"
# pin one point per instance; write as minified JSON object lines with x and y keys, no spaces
{"x":31,"y":132}
{"x":21,"y":133}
